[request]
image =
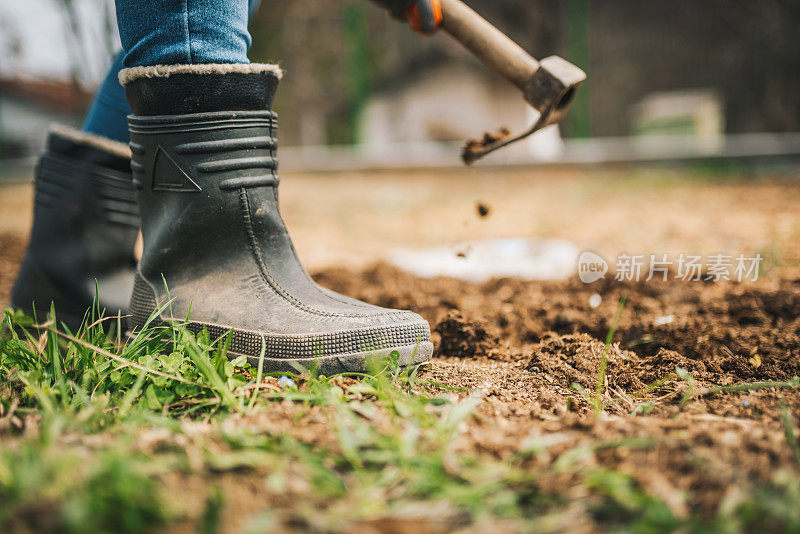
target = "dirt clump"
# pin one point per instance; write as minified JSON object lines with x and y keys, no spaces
{"x":575,"y":359}
{"x":473,"y":147}
{"x":663,"y":364}
{"x":462,"y":338}
{"x":483,"y":209}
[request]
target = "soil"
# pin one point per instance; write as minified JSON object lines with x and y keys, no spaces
{"x":525,"y":345}
{"x":529,"y":347}
{"x":474,"y":148}
{"x":721,"y":333}
{"x":533,"y":352}
{"x":12,"y":249}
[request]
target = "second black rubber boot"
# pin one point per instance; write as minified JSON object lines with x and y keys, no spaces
{"x":85,"y":226}
{"x":203,"y":142}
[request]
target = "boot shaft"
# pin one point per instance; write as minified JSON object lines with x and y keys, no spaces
{"x":85,"y":208}
{"x":195,"y":171}
{"x":204,"y":163}
{"x":85,"y":224}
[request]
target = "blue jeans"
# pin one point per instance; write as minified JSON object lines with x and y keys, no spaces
{"x":168,"y":32}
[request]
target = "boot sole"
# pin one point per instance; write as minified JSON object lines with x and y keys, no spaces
{"x":355,"y":362}
{"x":359,"y":362}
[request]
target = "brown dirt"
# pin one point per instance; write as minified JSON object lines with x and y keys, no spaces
{"x":474,"y":147}
{"x":721,"y":332}
{"x":12,"y":248}
{"x":522,"y":345}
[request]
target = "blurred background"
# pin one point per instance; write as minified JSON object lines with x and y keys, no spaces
{"x":715,"y":77}
{"x":684,"y":139}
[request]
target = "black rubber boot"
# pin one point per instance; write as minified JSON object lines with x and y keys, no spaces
{"x":85,"y":225}
{"x":214,"y":241}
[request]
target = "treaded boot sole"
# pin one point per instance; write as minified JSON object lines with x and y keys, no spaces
{"x":408,"y":356}
{"x":356,"y":362}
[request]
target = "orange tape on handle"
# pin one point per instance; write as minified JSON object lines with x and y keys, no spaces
{"x":416,"y":22}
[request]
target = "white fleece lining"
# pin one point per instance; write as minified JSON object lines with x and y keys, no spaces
{"x":165,"y":71}
{"x":96,"y":141}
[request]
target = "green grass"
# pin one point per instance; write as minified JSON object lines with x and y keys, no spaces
{"x":95,"y":430}
{"x":595,"y":398}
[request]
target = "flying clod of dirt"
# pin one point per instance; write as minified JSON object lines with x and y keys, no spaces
{"x":483,"y":209}
{"x":462,"y":338}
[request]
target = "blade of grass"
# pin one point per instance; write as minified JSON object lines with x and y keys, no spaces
{"x":689,"y":393}
{"x":750,"y":386}
{"x":601,"y":374}
{"x":260,"y":372}
{"x":132,"y":393}
{"x":789,"y":430}
{"x":55,"y":359}
{"x":216,"y":382}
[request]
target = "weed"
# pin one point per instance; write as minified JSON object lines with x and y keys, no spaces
{"x":595,"y":399}
{"x":751,"y":386}
{"x":690,"y":385}
{"x":692,"y":392}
